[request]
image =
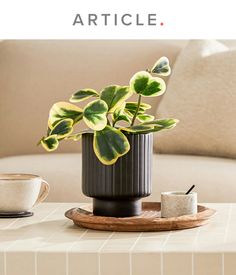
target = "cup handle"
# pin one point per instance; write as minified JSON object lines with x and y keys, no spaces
{"x":44,"y":192}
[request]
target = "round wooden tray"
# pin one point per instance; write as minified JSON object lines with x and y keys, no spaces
{"x":149,"y":220}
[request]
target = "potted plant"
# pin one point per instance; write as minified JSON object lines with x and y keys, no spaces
{"x":116,"y":160}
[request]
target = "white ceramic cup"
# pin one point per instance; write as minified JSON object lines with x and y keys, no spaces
{"x":175,"y":204}
{"x":21,"y":192}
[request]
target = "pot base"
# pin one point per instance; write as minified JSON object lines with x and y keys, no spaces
{"x":117,"y":208}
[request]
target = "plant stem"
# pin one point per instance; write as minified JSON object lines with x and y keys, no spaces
{"x":114,"y":122}
{"x":108,"y":121}
{"x":136,"y":112}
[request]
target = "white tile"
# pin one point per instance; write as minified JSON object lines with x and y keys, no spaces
{"x":177,"y":263}
{"x":117,"y":245}
{"x":23,"y":262}
{"x":178,"y":247}
{"x":2,"y":265}
{"x":185,"y":232}
{"x":208,"y":264}
{"x":83,"y":263}
{"x":120,"y":241}
{"x":6,"y":223}
{"x":52,"y":235}
{"x":229,"y":246}
{"x":157,"y":235}
{"x":51,"y":263}
{"x":7,"y":239}
{"x":149,"y":245}
{"x":229,"y":263}
{"x":31,"y":244}
{"x":146,"y":263}
{"x":88,"y":245}
{"x":188,"y":239}
{"x":115,"y":264}
{"x":208,"y":247}
{"x":98,"y":234}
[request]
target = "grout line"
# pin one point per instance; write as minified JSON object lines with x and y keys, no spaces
{"x":162,"y":258}
{"x":5,"y":263}
{"x":35,"y":264}
{"x":99,"y":252}
{"x":15,"y":241}
{"x":9,"y":225}
{"x":67,"y":251}
{"x":195,"y":242}
{"x":228,"y":222}
{"x":223,"y":263}
{"x":130,"y":253}
{"x":225,"y":238}
{"x":36,"y":251}
{"x":4,"y":253}
{"x":192,"y":264}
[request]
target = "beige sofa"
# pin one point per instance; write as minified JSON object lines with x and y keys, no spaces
{"x":35,"y":74}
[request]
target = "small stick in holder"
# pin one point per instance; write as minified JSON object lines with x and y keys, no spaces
{"x":189,"y":190}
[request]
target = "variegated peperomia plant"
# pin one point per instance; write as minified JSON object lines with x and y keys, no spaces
{"x":104,"y":112}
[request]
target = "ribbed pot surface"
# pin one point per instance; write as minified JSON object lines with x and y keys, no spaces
{"x":128,"y":178}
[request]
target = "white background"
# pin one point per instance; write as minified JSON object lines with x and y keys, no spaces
{"x":52,"y":19}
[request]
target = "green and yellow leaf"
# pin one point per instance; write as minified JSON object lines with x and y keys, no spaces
{"x":62,"y":128}
{"x":137,"y":129}
{"x":50,"y":143}
{"x":162,"y":67}
{"x":146,"y":85}
{"x":118,"y":112}
{"x":120,"y":115}
{"x":62,"y":110}
{"x":145,"y":118}
{"x":115,"y":96}
{"x":83,"y":95}
{"x":123,"y":118}
{"x":133,"y":106}
{"x":110,"y":144}
{"x":77,"y":136}
{"x":162,"y":124}
{"x":95,"y":114}
{"x":128,"y":113}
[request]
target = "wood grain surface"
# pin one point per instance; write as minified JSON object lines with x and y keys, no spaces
{"x":149,"y":220}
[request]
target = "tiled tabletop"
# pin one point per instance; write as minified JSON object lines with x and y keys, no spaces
{"x":49,"y":244}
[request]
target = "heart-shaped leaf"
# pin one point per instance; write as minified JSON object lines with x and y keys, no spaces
{"x":95,"y":114}
{"x":110,"y":144}
{"x":50,"y":143}
{"x":128,"y":113}
{"x":118,"y":112}
{"x":144,"y":84}
{"x":145,"y":118}
{"x":162,"y":67}
{"x":132,"y":106}
{"x":123,"y":118}
{"x":62,"y":110}
{"x":165,"y":122}
{"x":161,"y":124}
{"x":136,"y":129}
{"x":115,"y":96}
{"x":62,"y":128}
{"x":83,"y":94}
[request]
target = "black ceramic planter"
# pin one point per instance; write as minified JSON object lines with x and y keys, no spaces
{"x":117,"y":189}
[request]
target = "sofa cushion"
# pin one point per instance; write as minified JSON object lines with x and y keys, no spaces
{"x":201,"y":94}
{"x":214,"y":177}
